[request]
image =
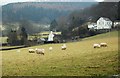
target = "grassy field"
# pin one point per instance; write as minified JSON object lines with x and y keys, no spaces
{"x":3,"y":39}
{"x":80,"y":59}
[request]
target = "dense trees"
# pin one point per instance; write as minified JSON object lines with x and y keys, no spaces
{"x":63,"y":27}
{"x":74,"y":23}
{"x":53,"y":25}
{"x":27,"y":25}
{"x":118,"y":11}
{"x":23,"y":36}
{"x":42,"y":13}
{"x":103,"y":9}
{"x":18,"y":36}
{"x":12,"y":37}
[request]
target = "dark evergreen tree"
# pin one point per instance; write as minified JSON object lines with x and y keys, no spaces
{"x":12,"y":37}
{"x":24,"y":36}
{"x":75,"y":22}
{"x":53,"y":25}
{"x":118,"y":11}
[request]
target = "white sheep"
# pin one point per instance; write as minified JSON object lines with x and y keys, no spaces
{"x":31,"y":50}
{"x":103,"y":44}
{"x":96,"y":45}
{"x":40,"y":51}
{"x":50,"y":48}
{"x":64,"y":47}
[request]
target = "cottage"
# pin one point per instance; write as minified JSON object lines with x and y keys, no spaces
{"x":104,"y":23}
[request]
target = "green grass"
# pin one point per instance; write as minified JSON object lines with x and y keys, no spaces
{"x":80,"y":59}
{"x":3,"y":39}
{"x":105,"y":35}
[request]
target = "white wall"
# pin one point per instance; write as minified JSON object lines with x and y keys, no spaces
{"x":104,"y":24}
{"x":92,"y":26}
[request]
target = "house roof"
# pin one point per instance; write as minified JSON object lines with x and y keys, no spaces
{"x":107,"y":19}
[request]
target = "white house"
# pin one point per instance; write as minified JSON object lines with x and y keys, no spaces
{"x":116,"y":23}
{"x":92,"y":26}
{"x":104,"y":23}
{"x":50,"y":37}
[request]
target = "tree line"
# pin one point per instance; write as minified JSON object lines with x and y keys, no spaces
{"x":15,"y":38}
{"x":38,"y":12}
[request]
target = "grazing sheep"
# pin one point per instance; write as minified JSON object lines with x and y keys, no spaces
{"x":40,"y":51}
{"x":96,"y":45}
{"x":50,"y":48}
{"x":103,"y":44}
{"x":64,"y":47}
{"x":31,"y":50}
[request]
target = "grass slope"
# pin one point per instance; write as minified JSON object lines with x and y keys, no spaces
{"x":80,"y":59}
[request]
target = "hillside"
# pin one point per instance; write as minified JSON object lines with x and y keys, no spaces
{"x":80,"y":59}
{"x":40,"y":12}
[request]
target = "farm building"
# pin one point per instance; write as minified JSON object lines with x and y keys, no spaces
{"x":92,"y":26}
{"x":104,"y":23}
{"x":116,"y":23}
{"x":43,"y":36}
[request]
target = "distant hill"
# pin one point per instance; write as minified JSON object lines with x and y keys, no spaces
{"x":40,"y":12}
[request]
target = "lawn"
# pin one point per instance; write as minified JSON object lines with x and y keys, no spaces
{"x":80,"y":59}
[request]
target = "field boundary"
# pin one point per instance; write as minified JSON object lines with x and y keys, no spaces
{"x":2,"y":49}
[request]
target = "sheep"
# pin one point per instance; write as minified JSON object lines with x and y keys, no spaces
{"x":40,"y":51}
{"x":50,"y":48}
{"x":31,"y":50}
{"x":64,"y":47}
{"x":96,"y":45}
{"x":103,"y":44}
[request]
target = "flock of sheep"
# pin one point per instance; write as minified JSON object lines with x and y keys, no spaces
{"x":63,"y":47}
{"x":100,"y":45}
{"x":42,"y":51}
